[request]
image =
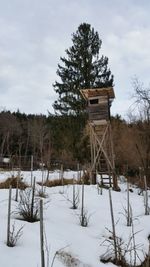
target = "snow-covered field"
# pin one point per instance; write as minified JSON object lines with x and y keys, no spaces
{"x":62,"y":228}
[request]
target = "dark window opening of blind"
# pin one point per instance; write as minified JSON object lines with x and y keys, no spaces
{"x":94,"y":101}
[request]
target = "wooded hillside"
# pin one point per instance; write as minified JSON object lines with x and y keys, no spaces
{"x":64,"y":139}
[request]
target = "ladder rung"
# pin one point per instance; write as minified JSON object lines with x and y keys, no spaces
{"x":106,"y":183}
{"x":106,"y":178}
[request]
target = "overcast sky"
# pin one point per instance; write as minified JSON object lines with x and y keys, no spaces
{"x":35,"y":33}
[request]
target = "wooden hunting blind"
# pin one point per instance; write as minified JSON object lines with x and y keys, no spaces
{"x":99,"y":101}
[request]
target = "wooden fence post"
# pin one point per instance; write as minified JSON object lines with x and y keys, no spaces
{"x":113,"y":225}
{"x":17,"y":184}
{"x":73,"y":194}
{"x":78,"y":171}
{"x":32,"y":201}
{"x":82,"y":205}
{"x":61,"y":177}
{"x":146,"y":197}
{"x":31,"y":170}
{"x":8,"y":220}
{"x":41,"y":234}
{"x":129,"y":219}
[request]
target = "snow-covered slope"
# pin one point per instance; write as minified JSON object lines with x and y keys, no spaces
{"x":83,"y":246}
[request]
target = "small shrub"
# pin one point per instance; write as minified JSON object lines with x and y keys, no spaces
{"x":123,"y":251}
{"x":41,"y":193}
{"x":14,"y":236}
{"x":109,"y":255}
{"x":84,"y":218}
{"x":28,"y":210}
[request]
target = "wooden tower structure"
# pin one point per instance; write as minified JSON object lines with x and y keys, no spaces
{"x":99,"y":101}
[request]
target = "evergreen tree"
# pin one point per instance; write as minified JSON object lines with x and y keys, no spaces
{"x":81,"y":68}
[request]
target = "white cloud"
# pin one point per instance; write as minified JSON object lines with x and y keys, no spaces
{"x":129,"y":56}
{"x":34,"y":34}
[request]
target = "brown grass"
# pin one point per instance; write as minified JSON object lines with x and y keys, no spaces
{"x":57,"y":182}
{"x":13,"y":182}
{"x":137,"y":181}
{"x":123,"y":263}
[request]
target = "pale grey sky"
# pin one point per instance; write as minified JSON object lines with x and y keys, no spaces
{"x":34,"y":34}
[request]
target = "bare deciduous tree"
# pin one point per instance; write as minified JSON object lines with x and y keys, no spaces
{"x":140,"y":112}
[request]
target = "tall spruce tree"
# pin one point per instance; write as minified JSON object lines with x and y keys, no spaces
{"x":82,"y":68}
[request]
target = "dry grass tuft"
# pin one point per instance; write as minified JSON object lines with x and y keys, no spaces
{"x":64,"y":181}
{"x":137,"y":181}
{"x":57,"y":182}
{"x":13,"y":182}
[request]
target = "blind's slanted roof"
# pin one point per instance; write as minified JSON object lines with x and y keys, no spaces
{"x":97,"y":92}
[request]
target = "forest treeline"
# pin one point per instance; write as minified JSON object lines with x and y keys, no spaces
{"x":64,"y":139}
